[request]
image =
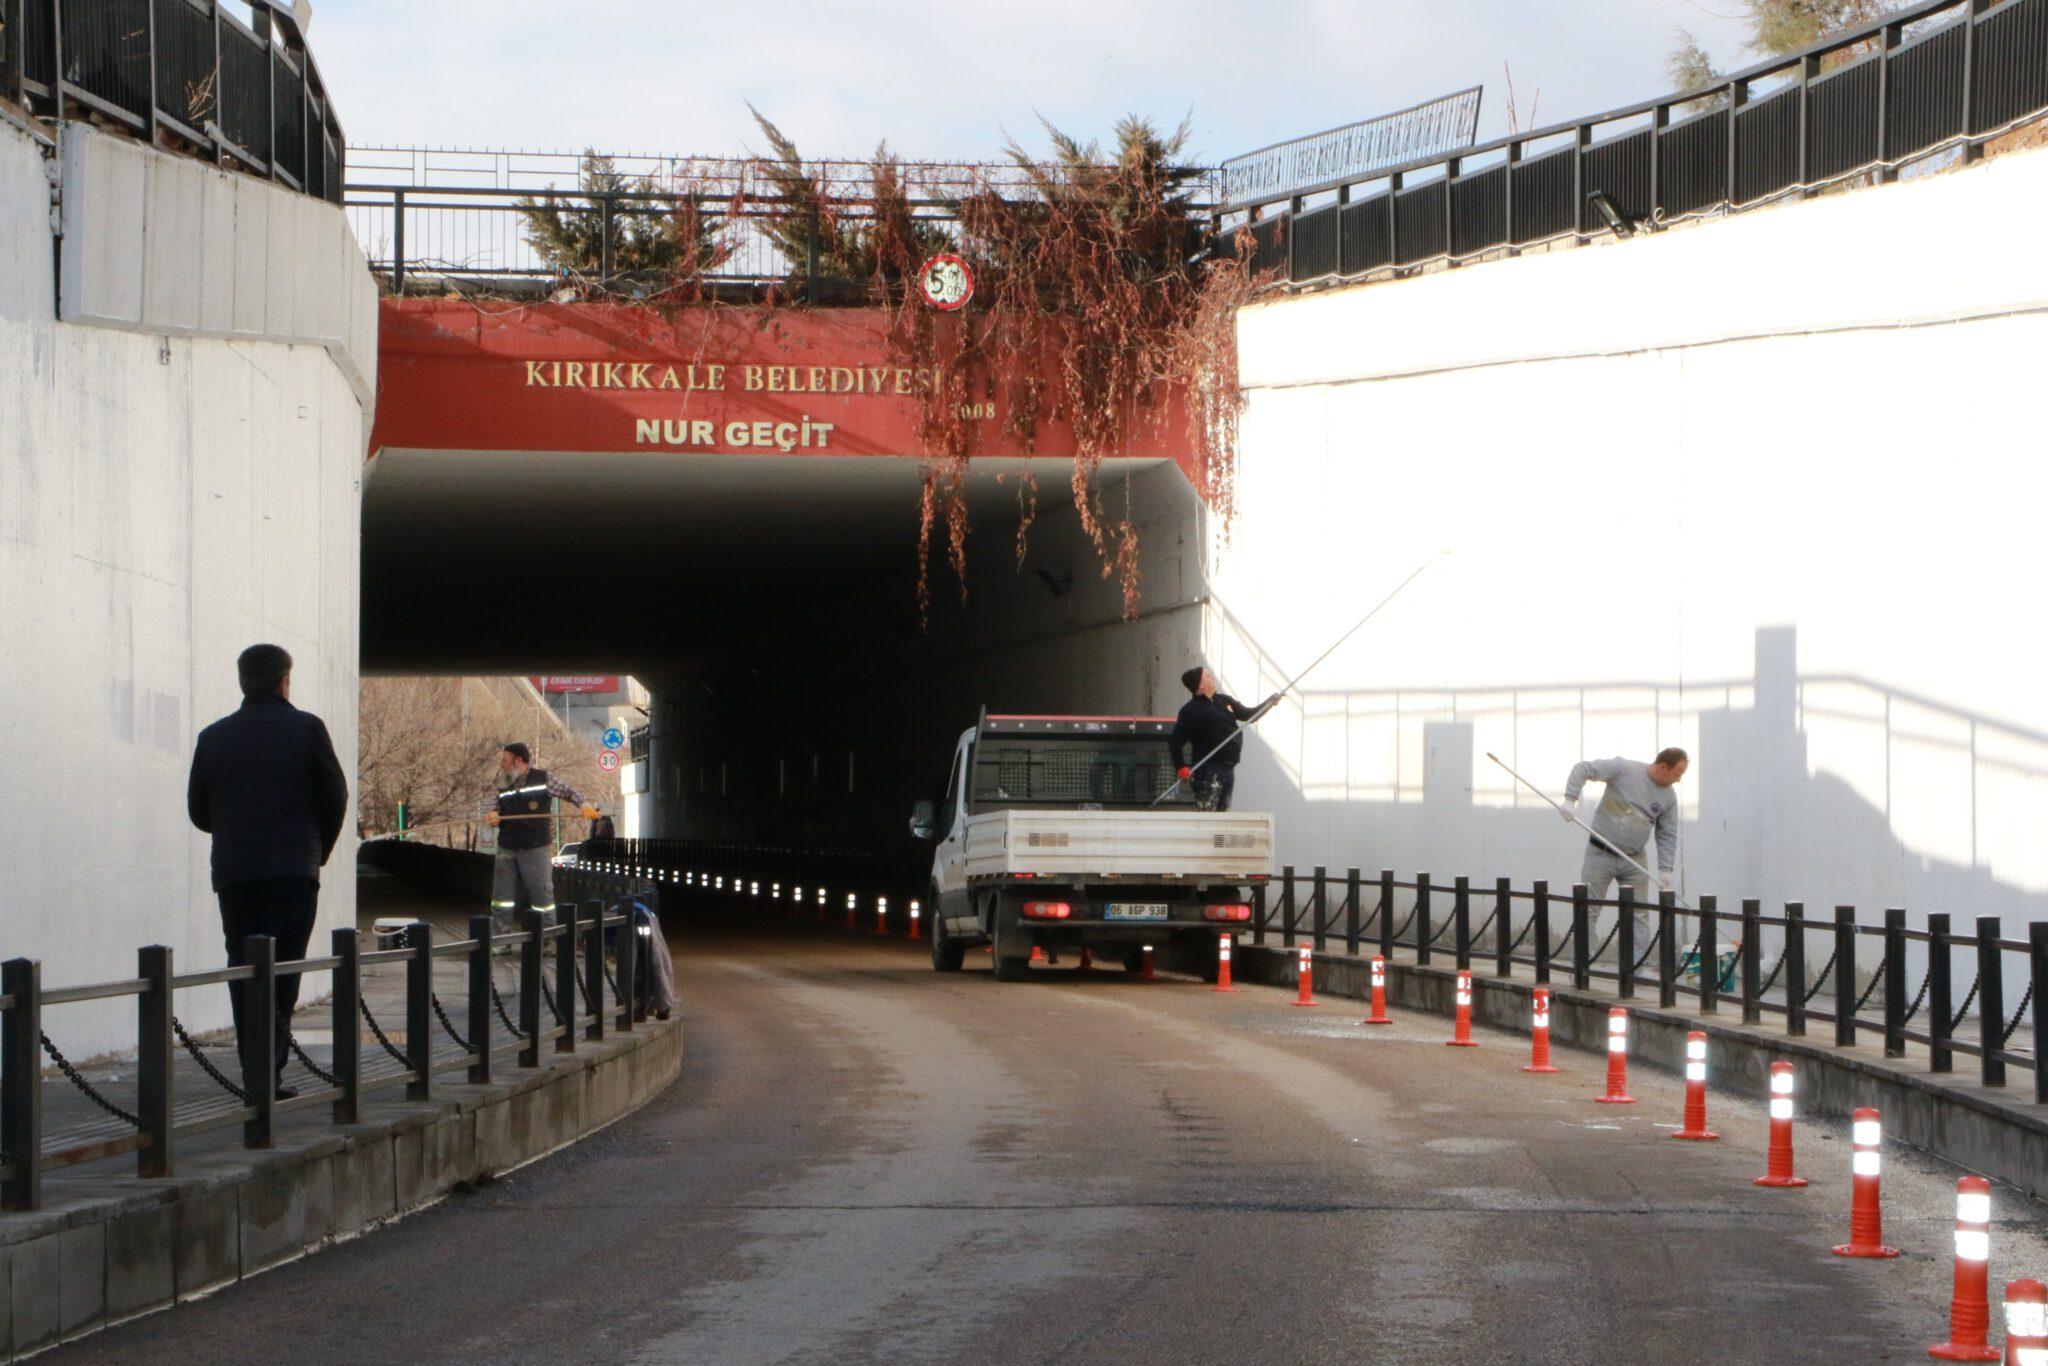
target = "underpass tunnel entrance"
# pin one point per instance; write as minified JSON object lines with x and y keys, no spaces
{"x":770,"y":605}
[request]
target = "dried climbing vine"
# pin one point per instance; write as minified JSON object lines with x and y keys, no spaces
{"x":1098,"y":303}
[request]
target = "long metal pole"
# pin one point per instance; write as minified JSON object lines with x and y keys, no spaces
{"x":1290,"y":685}
{"x":1573,"y":817}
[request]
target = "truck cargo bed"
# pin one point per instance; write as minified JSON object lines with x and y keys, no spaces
{"x":1192,"y":845}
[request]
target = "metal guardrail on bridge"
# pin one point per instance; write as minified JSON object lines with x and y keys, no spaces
{"x":1942,"y":75}
{"x":641,"y":222}
{"x":244,"y":93}
{"x":159,"y":1115}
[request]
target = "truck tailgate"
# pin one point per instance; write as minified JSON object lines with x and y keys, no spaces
{"x":1207,"y":844}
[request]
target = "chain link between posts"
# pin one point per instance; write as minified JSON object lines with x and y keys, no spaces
{"x":2013,"y":1028}
{"x":72,"y":1075}
{"x":207,"y":1067}
{"x":378,"y":1030}
{"x":1918,"y":999}
{"x":292,"y":1042}
{"x":441,"y":1014}
{"x":1975,"y":982}
{"x":1821,"y":980}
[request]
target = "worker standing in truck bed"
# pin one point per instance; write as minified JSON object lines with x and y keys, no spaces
{"x":1207,"y":739}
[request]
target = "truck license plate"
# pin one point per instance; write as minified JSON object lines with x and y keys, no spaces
{"x":1136,"y":910}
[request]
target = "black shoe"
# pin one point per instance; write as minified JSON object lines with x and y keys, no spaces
{"x":284,"y":1092}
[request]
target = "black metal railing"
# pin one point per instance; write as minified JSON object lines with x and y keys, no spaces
{"x":1946,"y":75}
{"x":148,"y":1122}
{"x":637,"y":226}
{"x":1885,"y":981}
{"x":245,"y":94}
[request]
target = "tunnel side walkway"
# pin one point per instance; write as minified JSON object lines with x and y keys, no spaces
{"x":106,"y":1246}
{"x":867,"y":1160}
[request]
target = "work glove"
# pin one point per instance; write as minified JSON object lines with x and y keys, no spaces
{"x":589,"y":812}
{"x":1565,"y":809}
{"x":1185,"y":774}
{"x":490,"y":818}
{"x":1666,"y":882}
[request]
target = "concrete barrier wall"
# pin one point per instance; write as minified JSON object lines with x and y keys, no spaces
{"x":103,"y":1250}
{"x":180,"y":458}
{"x":1998,"y":1133}
{"x":1754,"y":487}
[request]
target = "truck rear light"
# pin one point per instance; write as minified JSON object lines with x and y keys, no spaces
{"x":1239,"y":912}
{"x":1047,"y":910}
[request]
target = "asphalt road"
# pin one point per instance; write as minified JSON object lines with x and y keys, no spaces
{"x":865,"y":1161}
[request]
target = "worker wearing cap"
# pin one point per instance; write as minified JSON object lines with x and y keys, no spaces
{"x":1207,"y":742}
{"x":1638,"y":800}
{"x":525,"y":825}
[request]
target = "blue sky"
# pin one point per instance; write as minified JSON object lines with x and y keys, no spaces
{"x":945,"y":81}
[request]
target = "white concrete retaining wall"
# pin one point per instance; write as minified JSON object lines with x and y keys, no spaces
{"x":180,"y":464}
{"x":1767,"y":488}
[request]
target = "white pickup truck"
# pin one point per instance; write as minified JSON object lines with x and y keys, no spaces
{"x":1048,"y":836}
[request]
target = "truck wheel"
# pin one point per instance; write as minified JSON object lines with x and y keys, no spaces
{"x":947,"y":952}
{"x":1010,"y":965}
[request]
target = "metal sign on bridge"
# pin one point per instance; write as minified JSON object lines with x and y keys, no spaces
{"x":1324,"y":160}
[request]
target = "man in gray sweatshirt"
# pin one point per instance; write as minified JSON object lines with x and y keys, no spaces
{"x":1638,"y":800}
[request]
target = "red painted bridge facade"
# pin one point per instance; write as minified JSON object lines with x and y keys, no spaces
{"x":700,"y":380}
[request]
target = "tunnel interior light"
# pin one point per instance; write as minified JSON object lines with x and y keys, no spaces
{"x":1047,"y":910}
{"x":1610,"y":213}
{"x":1227,"y":912}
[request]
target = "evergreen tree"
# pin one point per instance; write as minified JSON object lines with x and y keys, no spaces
{"x":661,"y":236}
{"x":872,"y":238}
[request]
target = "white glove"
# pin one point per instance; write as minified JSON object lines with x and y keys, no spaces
{"x":1565,"y":809}
{"x":1665,"y":882}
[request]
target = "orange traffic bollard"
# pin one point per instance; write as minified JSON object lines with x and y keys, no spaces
{"x":1145,"y":963}
{"x":1696,"y":1090}
{"x":1969,"y":1310}
{"x":1866,"y":1213}
{"x":1222,"y":964}
{"x":1304,"y":996}
{"x":1617,"y":1060}
{"x":1379,"y":993}
{"x":881,"y":915}
{"x":1778,"y":1165}
{"x":916,"y":932}
{"x":1087,"y":960}
{"x":852,"y":909}
{"x":1461,"y":1022}
{"x":1539,"y":1032}
{"x":2026,"y":1323}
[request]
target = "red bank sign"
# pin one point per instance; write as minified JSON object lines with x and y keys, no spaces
{"x":453,"y":375}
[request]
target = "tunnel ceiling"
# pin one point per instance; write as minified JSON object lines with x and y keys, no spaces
{"x":482,"y":562}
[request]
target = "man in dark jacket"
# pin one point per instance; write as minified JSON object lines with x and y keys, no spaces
{"x":266,"y":785}
{"x":1206,"y":741}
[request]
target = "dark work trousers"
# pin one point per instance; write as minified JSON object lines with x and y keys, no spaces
{"x":283,"y":908}
{"x":1214,"y":785}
